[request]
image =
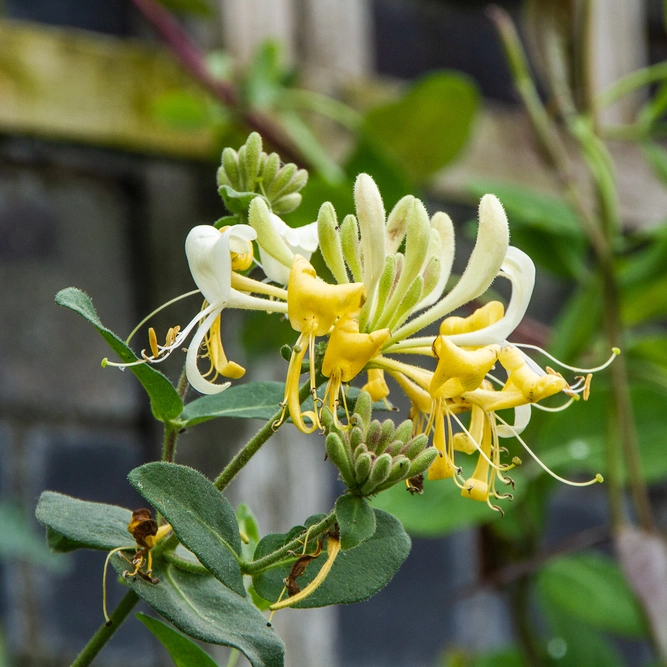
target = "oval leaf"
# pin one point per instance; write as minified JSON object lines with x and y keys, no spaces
{"x":590,"y":587}
{"x":204,"y":609}
{"x":255,"y":400}
{"x":435,"y":117}
{"x":183,"y":651}
{"x":200,"y":515}
{"x":356,"y":575}
{"x":79,"y":524}
{"x":356,"y":519}
{"x":166,"y":404}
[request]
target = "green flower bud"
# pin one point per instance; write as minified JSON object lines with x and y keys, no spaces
{"x":379,"y":472}
{"x":330,"y":246}
{"x":404,"y":431}
{"x":373,"y":435}
{"x":359,"y":450}
{"x":431,"y":274}
{"x":243,"y":184}
{"x":400,"y":467}
{"x":362,"y":468}
{"x":267,"y":236}
{"x":339,"y":456}
{"x":297,"y":182}
{"x":270,"y":169}
{"x":397,"y":223}
{"x":221,"y":177}
{"x":281,"y":181}
{"x":387,"y":435}
{"x":385,"y":284}
{"x":415,"y":446}
{"x":356,"y":436}
{"x":408,"y":303}
{"x":394,"y":448}
{"x":250,"y":163}
{"x":231,"y":167}
{"x":286,"y":203}
{"x":349,"y":238}
{"x":422,"y":462}
{"x":363,"y":407}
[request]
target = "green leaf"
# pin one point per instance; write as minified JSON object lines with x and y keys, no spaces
{"x":590,"y":587}
{"x":200,"y":515}
{"x":195,"y":7}
{"x":19,"y":540}
{"x":236,"y":202}
{"x":182,"y":650}
{"x":356,"y":520}
{"x":355,"y":575}
{"x":644,"y":301}
{"x":579,"y":322}
{"x":265,"y":75}
{"x":249,"y":529}
{"x":254,"y":400}
{"x":651,"y":348}
{"x":656,"y":156}
{"x":440,"y":510}
{"x":166,"y":404}
{"x":183,"y":110}
{"x":201,"y":607}
{"x":428,"y":126}
{"x":574,"y":440}
{"x":79,"y":524}
{"x":573,"y":643}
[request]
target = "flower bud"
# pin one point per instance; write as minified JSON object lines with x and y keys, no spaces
{"x":356,"y":440}
{"x":415,"y":446}
{"x":373,"y":435}
{"x":363,"y":407}
{"x":362,"y":467}
{"x":349,"y":238}
{"x":339,"y":456}
{"x":404,"y":431}
{"x":422,"y":462}
{"x":281,"y":181}
{"x":379,"y":473}
{"x":270,"y":169}
{"x":231,"y":167}
{"x":330,"y":245}
{"x":249,"y":165}
{"x":287,"y":203}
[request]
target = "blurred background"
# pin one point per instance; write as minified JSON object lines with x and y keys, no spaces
{"x":112,"y":119}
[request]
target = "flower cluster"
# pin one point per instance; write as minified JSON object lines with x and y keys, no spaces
{"x":391,"y":275}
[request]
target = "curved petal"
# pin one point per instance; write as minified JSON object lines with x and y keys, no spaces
{"x":195,"y":378}
{"x":207,"y":250}
{"x":522,"y":415}
{"x":443,"y":229}
{"x":483,"y":266}
{"x":519,"y":269}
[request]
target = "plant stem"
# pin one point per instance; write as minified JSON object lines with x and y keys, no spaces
{"x":193,"y":60}
{"x":523,"y":622}
{"x":102,"y":636}
{"x":254,"y":444}
{"x":169,"y":443}
{"x":268,"y":560}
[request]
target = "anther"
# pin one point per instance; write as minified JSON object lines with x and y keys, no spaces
{"x":152,"y":342}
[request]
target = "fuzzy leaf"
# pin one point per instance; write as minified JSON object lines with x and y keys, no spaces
{"x":356,"y":520}
{"x":200,"y":515}
{"x":204,"y":609}
{"x":166,"y":404}
{"x":79,"y":524}
{"x":356,"y":575}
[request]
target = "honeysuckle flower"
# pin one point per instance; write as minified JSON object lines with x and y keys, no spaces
{"x":214,"y":256}
{"x":313,"y":307}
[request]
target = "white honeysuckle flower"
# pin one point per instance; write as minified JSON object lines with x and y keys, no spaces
{"x":300,"y":240}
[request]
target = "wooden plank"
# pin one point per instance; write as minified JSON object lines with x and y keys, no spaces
{"x":83,"y":87}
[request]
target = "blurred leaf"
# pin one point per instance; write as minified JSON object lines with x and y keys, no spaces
{"x":579,"y":322}
{"x":440,"y":510}
{"x":265,"y":75}
{"x":574,"y":439}
{"x":591,"y":588}
{"x":200,"y":515}
{"x":253,"y":400}
{"x":182,"y":650}
{"x":643,"y":557}
{"x":531,"y":209}
{"x":428,"y":126}
{"x":356,"y":575}
{"x":264,"y":333}
{"x":543,"y":226}
{"x":77,"y":524}
{"x":220,"y":64}
{"x":182,"y":110}
{"x":644,"y":301}
{"x":166,"y":404}
{"x":202,"y":608}
{"x":573,"y":643}
{"x":356,"y":520}
{"x":656,"y":156}
{"x":651,"y":348}
{"x":195,"y":7}
{"x":19,"y":540}
{"x":310,"y":147}
{"x":647,"y":263}
{"x":248,"y":527}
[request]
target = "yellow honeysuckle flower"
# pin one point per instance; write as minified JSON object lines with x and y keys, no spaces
{"x":348,"y":352}
{"x":313,"y":306}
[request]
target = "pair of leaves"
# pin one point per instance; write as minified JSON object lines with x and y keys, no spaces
{"x":210,"y":608}
{"x":356,"y":575}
